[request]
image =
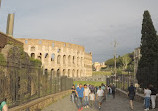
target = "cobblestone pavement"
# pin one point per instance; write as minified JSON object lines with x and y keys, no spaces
{"x":117,"y":104}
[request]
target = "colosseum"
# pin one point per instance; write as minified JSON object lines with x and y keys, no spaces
{"x":60,"y":58}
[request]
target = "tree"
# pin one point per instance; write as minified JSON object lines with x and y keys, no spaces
{"x":147,"y":67}
{"x":125,"y":61}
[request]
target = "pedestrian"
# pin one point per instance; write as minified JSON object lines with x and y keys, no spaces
{"x":3,"y":106}
{"x":153,"y":96}
{"x":113,"y":90}
{"x":100,"y":94}
{"x":79,"y":93}
{"x":73,"y":94}
{"x":131,"y":95}
{"x":92,"y":99}
{"x":86,"y":96}
{"x":147,"y":93}
{"x":103,"y":88}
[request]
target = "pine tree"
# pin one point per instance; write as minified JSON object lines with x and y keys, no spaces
{"x":147,"y":68}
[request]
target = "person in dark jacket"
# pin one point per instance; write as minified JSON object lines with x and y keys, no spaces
{"x":131,"y":94}
{"x":153,"y":96}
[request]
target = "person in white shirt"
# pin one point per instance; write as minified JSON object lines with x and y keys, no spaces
{"x":86,"y":96}
{"x":147,"y":93}
{"x":100,"y":94}
{"x":92,"y":98}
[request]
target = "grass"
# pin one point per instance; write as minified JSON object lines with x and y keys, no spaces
{"x":102,"y":73}
{"x":95,"y":83}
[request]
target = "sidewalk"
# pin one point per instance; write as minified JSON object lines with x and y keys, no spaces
{"x":117,"y":104}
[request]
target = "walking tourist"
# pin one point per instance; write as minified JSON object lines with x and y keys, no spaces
{"x":92,"y":99}
{"x":3,"y":106}
{"x":86,"y":96}
{"x":131,"y":94}
{"x":79,"y":93}
{"x":113,"y":90}
{"x":100,"y":94}
{"x":73,"y":94}
{"x":153,"y":96}
{"x":147,"y":93}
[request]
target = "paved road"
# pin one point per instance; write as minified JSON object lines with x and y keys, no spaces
{"x":117,"y":104}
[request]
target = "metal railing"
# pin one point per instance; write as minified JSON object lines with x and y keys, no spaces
{"x":21,"y":83}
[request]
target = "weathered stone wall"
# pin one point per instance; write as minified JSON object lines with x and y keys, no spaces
{"x":5,"y":39}
{"x":88,"y":63}
{"x":60,"y":58}
{"x":40,"y":103}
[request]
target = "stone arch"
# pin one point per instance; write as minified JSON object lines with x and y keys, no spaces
{"x":73,"y":73}
{"x":69,"y":71}
{"x":52,"y":72}
{"x":33,"y":55}
{"x":39,"y":56}
{"x":64,"y":59}
{"x":53,"y":57}
{"x":64,"y":72}
{"x":58,"y":59}
{"x":69,"y":60}
{"x":46,"y":72}
{"x":46,"y":55}
{"x":73,"y":60}
{"x":59,"y":50}
{"x":58,"y":72}
{"x":77,"y":60}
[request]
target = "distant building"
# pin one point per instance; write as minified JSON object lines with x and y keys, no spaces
{"x":97,"y":66}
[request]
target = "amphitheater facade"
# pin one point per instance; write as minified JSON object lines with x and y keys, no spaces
{"x":60,"y":58}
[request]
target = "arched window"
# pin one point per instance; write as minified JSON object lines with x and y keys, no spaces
{"x":69,"y":60}
{"x":64,"y":72}
{"x":73,"y":60}
{"x":53,"y":44}
{"x":58,"y":51}
{"x":58,"y":73}
{"x":52,"y":57}
{"x":45,"y":72}
{"x":58,"y":59}
{"x":40,"y":56}
{"x":52,"y":72}
{"x":77,"y":60}
{"x":33,"y":55}
{"x":46,"y":55}
{"x":26,"y":41}
{"x":64,"y":59}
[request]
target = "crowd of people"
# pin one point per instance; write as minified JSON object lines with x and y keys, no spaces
{"x":86,"y":96}
{"x":149,"y":96}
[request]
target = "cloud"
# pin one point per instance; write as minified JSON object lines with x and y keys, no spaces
{"x":91,"y":23}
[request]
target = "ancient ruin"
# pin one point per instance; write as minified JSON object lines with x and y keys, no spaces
{"x":60,"y":58}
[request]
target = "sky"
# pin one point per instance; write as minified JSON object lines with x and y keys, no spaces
{"x":94,"y":24}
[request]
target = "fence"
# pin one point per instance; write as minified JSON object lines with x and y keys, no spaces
{"x":122,"y":81}
{"x":21,"y":83}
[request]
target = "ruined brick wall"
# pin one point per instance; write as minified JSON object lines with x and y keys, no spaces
{"x":4,"y":39}
{"x":58,"y":57}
